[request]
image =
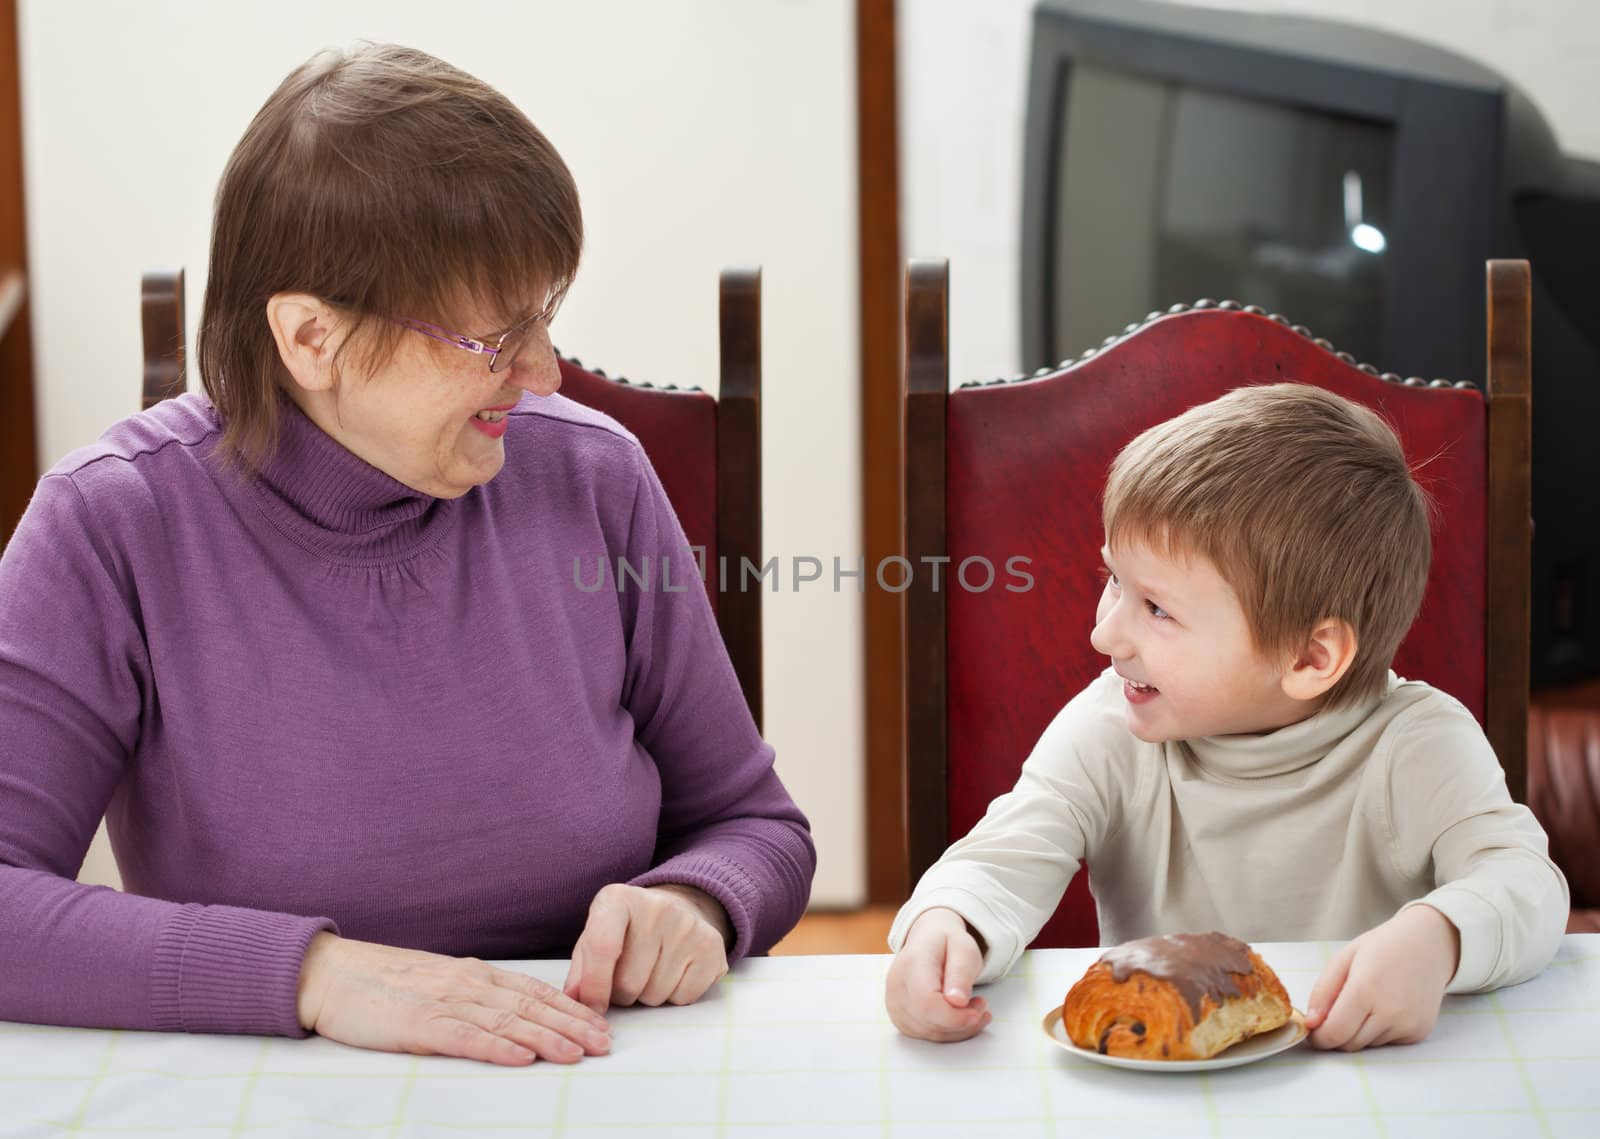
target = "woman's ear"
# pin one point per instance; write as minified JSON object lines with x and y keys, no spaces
{"x":1322,"y":661}
{"x":304,"y":327}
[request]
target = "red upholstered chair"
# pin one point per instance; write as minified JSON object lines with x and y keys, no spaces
{"x":707,"y":450}
{"x":1016,"y":469}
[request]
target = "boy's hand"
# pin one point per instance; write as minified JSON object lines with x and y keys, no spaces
{"x":1386,"y":986}
{"x":929,"y":993}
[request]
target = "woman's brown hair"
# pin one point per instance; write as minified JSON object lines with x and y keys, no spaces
{"x":390,"y":185}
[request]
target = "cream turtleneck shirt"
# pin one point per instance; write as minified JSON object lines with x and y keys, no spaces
{"x":1317,"y":831}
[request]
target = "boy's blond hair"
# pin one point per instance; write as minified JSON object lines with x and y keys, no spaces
{"x":1303,"y":501}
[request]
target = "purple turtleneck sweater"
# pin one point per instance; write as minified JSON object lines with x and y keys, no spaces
{"x":318,"y":699}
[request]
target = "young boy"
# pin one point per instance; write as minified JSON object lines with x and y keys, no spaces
{"x":1248,"y":763}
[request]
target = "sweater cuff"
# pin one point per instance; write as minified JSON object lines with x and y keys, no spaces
{"x":724,"y":880}
{"x":230,"y":970}
{"x":1478,"y":923}
{"x":1001,"y":947}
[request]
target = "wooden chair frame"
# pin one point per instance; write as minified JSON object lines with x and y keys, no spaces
{"x":738,"y":425}
{"x":1509,"y":533}
{"x":161,"y":314}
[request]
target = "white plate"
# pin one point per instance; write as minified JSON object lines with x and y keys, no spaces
{"x":1247,"y":1051}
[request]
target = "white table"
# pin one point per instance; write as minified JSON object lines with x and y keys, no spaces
{"x":799,"y":1047}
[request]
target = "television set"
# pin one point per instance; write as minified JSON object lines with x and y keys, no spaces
{"x":1351,"y":179}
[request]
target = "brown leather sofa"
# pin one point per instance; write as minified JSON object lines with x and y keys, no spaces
{"x":1564,"y":791}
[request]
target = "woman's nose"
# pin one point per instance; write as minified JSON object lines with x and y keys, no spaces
{"x":536,"y":368}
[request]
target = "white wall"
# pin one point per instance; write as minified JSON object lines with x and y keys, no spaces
{"x":963,"y":86}
{"x":702,"y":133}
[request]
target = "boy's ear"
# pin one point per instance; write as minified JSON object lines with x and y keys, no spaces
{"x":303,"y":328}
{"x":1322,"y":661}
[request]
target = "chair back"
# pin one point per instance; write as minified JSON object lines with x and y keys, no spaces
{"x":161,"y":316}
{"x":1011,"y":470}
{"x":706,"y":449}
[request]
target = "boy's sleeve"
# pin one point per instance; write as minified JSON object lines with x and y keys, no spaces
{"x":1008,"y":874}
{"x":1491,"y":868}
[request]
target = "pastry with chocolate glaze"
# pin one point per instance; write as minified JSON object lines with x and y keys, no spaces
{"x":1187,"y":996}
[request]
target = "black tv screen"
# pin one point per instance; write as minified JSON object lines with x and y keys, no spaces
{"x":1169,"y":192}
{"x":1354,"y":181}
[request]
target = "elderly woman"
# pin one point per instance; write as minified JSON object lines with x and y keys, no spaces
{"x":312,"y":642}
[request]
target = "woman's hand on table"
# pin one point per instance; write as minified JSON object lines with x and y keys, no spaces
{"x":1386,"y":986}
{"x":404,"y":1000}
{"x":649,"y":945}
{"x":929,"y":990}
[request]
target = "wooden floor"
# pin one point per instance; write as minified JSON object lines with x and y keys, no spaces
{"x":855,"y":931}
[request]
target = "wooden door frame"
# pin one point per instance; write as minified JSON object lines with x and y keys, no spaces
{"x":882,"y":435}
{"x":19,"y":447}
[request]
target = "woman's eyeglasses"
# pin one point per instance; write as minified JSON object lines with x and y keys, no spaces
{"x":501,"y":352}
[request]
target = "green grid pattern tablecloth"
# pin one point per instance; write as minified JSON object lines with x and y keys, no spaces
{"x":799,"y":1046}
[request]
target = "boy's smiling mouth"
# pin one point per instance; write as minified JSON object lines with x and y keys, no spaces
{"x":1129,"y":682}
{"x":1136,"y":693}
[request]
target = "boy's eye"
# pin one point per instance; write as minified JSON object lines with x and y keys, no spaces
{"x":1107,"y":576}
{"x":1156,"y":610}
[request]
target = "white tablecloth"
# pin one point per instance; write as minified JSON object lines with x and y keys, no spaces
{"x":799,"y":1046}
